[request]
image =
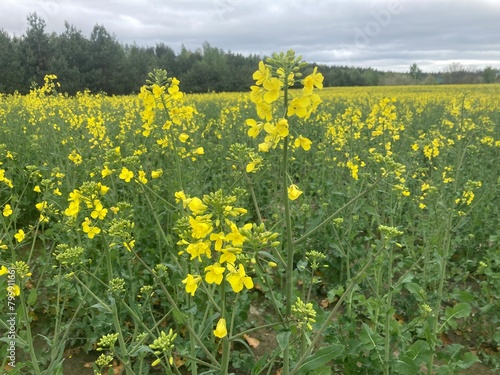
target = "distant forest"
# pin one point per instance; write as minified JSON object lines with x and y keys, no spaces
{"x":102,"y":64}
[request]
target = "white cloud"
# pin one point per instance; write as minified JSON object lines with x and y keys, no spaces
{"x":385,"y":34}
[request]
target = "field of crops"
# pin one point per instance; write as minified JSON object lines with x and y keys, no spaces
{"x":358,"y":229}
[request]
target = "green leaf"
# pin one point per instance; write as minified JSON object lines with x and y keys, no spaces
{"x":419,"y":351}
{"x":321,"y":357}
{"x":415,"y":290}
{"x":283,"y":339}
{"x":464,"y":296}
{"x":469,"y":360}
{"x":460,"y":310}
{"x":405,"y":365}
{"x":31,"y":297}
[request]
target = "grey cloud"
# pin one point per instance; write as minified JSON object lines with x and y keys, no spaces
{"x":385,"y":34}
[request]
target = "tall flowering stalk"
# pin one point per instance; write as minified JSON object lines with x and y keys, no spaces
{"x":275,"y":107}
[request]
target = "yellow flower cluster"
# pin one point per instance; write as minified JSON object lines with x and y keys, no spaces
{"x":89,"y":196}
{"x":208,"y":234}
{"x":267,"y":90}
{"x":166,"y":118}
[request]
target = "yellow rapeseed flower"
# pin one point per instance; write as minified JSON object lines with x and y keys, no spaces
{"x":99,"y":211}
{"x":262,"y":74}
{"x":191,"y":282}
{"x":7,"y":210}
{"x":156,"y":173}
{"x":214,"y":273}
{"x":238,"y":278}
{"x":142,"y":177}
{"x":20,"y":235}
{"x":293,"y":192}
{"x":14,"y":289}
{"x":221,"y":330}
{"x":197,"y":206}
{"x":303,"y":142}
{"x":126,"y":175}
{"x":90,"y":229}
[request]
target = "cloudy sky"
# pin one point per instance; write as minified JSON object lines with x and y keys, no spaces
{"x":384,"y":34}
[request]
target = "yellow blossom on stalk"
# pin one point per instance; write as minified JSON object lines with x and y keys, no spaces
{"x":314,"y":79}
{"x":175,"y":92}
{"x":255,"y":127}
{"x":264,"y":111}
{"x":126,"y":175}
{"x":303,"y":142}
{"x":214,"y":273}
{"x":272,"y":89}
{"x":354,"y":169}
{"x":3,"y":270}
{"x":14,"y":289}
{"x":103,"y":189}
{"x":197,"y":206}
{"x":201,"y":227}
{"x":3,"y":246}
{"x":129,"y":245}
{"x":90,"y":229}
{"x":181,"y":197}
{"x":106,"y":171}
{"x":238,"y":279}
{"x":293,"y":192}
{"x":221,"y":330}
{"x":157,"y":91}
{"x":199,"y":151}
{"x":73,"y":209}
{"x":157,"y":173}
{"x":251,"y":166}
{"x":229,"y":255}
{"x":41,"y":206}
{"x":20,"y":235}
{"x":262,"y":74}
{"x":142,"y":177}
{"x":37,"y":189}
{"x":299,"y":106}
{"x":163,"y":142}
{"x":183,"y":137}
{"x":282,"y":127}
{"x":99,"y":211}
{"x":235,"y":236}
{"x":197,"y":249}
{"x":75,"y":157}
{"x":7,"y":210}
{"x":191,"y":282}
{"x":265,"y":146}
{"x":218,"y":238}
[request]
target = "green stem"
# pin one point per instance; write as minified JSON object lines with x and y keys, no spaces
{"x":289,"y":243}
{"x":388,"y":317}
{"x":27,"y":326}
{"x":254,"y":198}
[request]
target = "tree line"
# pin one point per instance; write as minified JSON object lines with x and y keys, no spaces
{"x":102,"y":64}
